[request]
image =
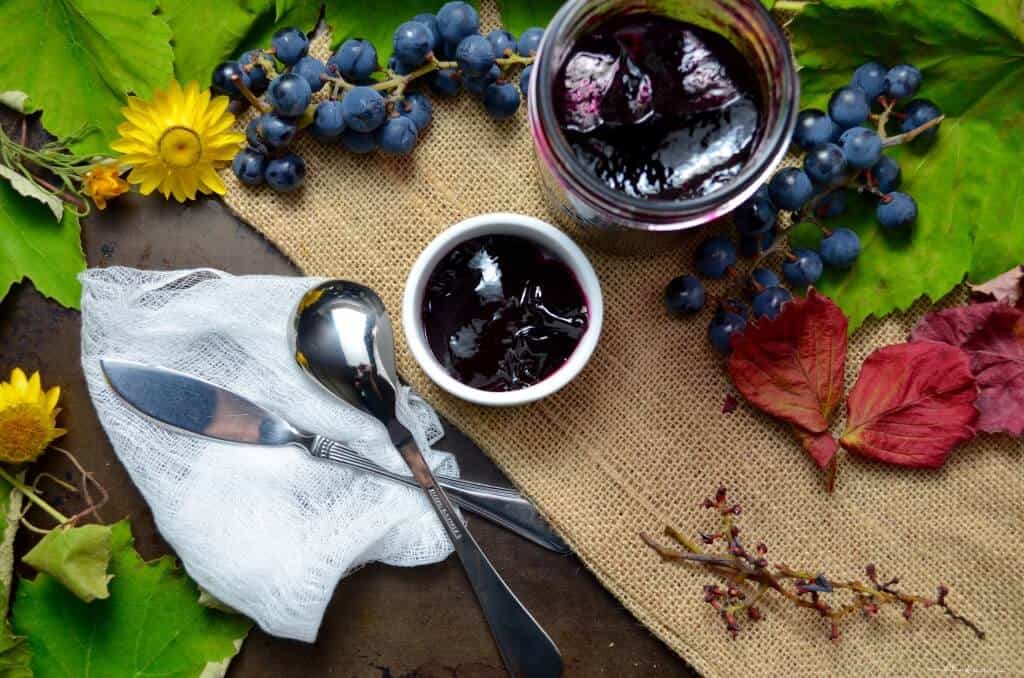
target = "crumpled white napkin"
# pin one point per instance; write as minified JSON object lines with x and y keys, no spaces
{"x":267,"y":531}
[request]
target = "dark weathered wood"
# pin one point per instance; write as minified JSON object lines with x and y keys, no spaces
{"x":383,"y":621}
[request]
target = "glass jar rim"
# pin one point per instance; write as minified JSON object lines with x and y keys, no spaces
{"x":663,"y":215}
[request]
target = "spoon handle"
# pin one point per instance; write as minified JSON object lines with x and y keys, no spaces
{"x":525,"y":647}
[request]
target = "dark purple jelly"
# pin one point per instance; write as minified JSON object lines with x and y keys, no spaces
{"x":658,"y":108}
{"x":502,"y":313}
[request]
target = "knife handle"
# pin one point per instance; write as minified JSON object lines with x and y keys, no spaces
{"x":502,"y":506}
{"x":526,"y":649}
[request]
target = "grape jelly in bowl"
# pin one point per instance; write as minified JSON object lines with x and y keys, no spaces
{"x":659,"y":115}
{"x":502,"y":309}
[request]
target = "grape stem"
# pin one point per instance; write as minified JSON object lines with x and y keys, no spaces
{"x":906,"y":137}
{"x":249,"y":96}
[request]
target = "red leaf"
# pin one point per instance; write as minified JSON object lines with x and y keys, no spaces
{"x":911,"y":405}
{"x":992,"y":334}
{"x":792,"y":366}
{"x":1008,"y":287}
{"x":821,"y":446}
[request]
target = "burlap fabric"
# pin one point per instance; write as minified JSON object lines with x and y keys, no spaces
{"x":639,"y":438}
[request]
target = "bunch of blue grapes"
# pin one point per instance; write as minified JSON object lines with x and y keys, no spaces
{"x":842,"y":157}
{"x":367,"y":107}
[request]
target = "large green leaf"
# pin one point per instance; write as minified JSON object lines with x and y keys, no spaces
{"x":151,"y":625}
{"x":374,"y":21}
{"x":207,"y":33}
{"x":969,"y":186}
{"x":33,"y":245}
{"x":77,"y":557}
{"x":78,"y":59}
{"x":518,"y":15}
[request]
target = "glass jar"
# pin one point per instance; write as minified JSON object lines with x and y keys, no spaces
{"x":625,"y":222}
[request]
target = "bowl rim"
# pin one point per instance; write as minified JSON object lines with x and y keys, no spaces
{"x":501,"y":223}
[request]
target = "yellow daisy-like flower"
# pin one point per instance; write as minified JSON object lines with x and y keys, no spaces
{"x":28,"y":417}
{"x":104,"y":181}
{"x":176,"y":142}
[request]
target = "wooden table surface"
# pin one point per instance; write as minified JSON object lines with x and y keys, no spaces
{"x":384,"y":621}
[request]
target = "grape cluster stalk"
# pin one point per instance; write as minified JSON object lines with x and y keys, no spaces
{"x":843,"y":159}
{"x":367,"y":107}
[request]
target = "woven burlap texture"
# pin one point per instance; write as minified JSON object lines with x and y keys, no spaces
{"x":639,"y":438}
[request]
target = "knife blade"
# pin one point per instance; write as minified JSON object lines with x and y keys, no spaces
{"x":197,"y":407}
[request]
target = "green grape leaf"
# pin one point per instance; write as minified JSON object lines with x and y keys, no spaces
{"x":15,"y":655}
{"x":207,"y":33}
{"x":18,"y":101}
{"x":374,"y":21}
{"x":518,"y":15}
{"x":33,"y":246}
{"x":30,"y":190}
{"x":78,"y":59}
{"x":968,"y":186}
{"x":151,"y":625}
{"x":76,"y":557}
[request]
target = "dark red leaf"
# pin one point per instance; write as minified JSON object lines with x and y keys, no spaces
{"x":792,"y":366}
{"x":821,"y":446}
{"x":992,"y":335}
{"x":1008,"y":287}
{"x":911,"y":405}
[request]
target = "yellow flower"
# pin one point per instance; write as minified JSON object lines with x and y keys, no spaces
{"x":28,"y":417}
{"x":104,"y":181}
{"x":176,"y":142}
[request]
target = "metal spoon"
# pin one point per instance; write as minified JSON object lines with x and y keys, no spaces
{"x":342,"y":337}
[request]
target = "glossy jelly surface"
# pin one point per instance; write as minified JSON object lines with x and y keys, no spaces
{"x":658,"y":108}
{"x":502,"y":313}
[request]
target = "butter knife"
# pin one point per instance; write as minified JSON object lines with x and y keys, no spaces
{"x":195,"y":406}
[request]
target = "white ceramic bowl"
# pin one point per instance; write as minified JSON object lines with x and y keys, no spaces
{"x":501,"y":223}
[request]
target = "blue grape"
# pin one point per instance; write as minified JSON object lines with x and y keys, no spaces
{"x":768,"y":302}
{"x":502,"y":43}
{"x":813,"y":127}
{"x":902,"y":81}
{"x":475,"y":56}
{"x":802,"y":267}
{"x":825,"y":164}
{"x":290,"y":45}
{"x":399,"y":67}
{"x":790,"y":188}
{"x":222,"y":80}
{"x":870,"y":77}
{"x":501,"y":100}
{"x":328,"y":120}
{"x":355,"y":60}
{"x":919,"y":112}
{"x":887,"y":174}
{"x":270,"y":131}
{"x":849,"y":106}
{"x":258,"y":79}
{"x":832,"y":204}
{"x":446,"y":82}
{"x":896,"y":210}
{"x":715,"y":256}
{"x":840,"y":248}
{"x":762,"y":278}
{"x":310,"y":69}
{"x":756,"y":214}
{"x":529,"y":41}
{"x":413,"y":41}
{"x":524,"y":79}
{"x":417,"y":108}
{"x":480,"y":84}
{"x":723,"y":327}
{"x":684,"y":294}
{"x":430,"y":21}
{"x":248,"y":166}
{"x":286,"y":173}
{"x":861,"y":146}
{"x":456,"y":20}
{"x":363,"y":108}
{"x":358,"y":142}
{"x":753,"y":245}
{"x":289,"y":94}
{"x":397,"y":136}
